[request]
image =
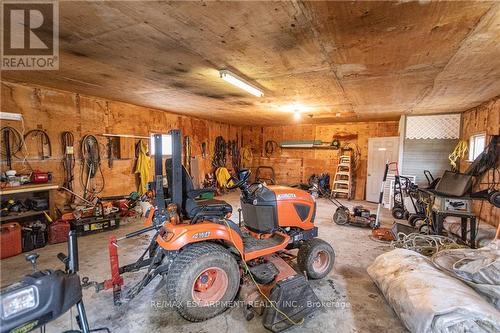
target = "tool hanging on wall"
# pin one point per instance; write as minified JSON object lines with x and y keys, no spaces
{"x":12,"y":143}
{"x":110,"y":152}
{"x":187,"y":154}
{"x":91,"y":164}
{"x":68,"y":141}
{"x":246,"y":157}
{"x":269,"y":147}
{"x":235,"y":155}
{"x":44,"y":141}
{"x":220,"y":150}
{"x":204,"y":150}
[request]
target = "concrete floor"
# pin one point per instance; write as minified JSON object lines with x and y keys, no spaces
{"x":355,"y":303}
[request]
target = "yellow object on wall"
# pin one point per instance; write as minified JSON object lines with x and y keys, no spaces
{"x":458,"y":153}
{"x":143,"y":167}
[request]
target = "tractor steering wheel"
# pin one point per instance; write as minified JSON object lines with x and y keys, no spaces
{"x":237,"y":182}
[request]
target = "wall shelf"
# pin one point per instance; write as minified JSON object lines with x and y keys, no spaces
{"x":18,"y":216}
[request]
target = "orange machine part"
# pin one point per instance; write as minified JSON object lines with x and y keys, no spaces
{"x":287,"y":198}
{"x":177,"y":236}
{"x":149,"y":216}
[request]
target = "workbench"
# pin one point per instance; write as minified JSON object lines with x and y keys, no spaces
{"x":466,"y":217}
{"x":439,"y":216}
{"x":25,"y":191}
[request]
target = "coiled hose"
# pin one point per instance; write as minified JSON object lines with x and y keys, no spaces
{"x":44,"y":141}
{"x":12,"y":143}
{"x":220,"y":151}
{"x":91,"y":164}
{"x":269,"y":147}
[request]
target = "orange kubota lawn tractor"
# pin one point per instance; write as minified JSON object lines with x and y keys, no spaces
{"x":206,"y":258}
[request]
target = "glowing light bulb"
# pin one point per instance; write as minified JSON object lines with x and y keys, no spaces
{"x":296,"y":115}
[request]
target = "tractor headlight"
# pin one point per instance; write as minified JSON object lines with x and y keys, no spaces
{"x":19,"y":301}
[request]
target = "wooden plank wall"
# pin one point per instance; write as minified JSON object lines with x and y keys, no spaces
{"x":297,"y":165}
{"x":58,"y":111}
{"x":484,"y":118}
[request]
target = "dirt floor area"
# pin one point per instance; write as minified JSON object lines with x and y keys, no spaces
{"x":351,"y":301}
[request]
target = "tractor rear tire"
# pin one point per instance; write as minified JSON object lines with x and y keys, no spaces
{"x":316,"y":257}
{"x":202,"y":281}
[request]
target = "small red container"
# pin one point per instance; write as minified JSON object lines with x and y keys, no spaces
{"x":58,"y":231}
{"x":39,"y":177}
{"x":10,"y":240}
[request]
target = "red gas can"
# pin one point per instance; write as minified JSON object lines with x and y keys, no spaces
{"x":10,"y":240}
{"x":58,"y":231}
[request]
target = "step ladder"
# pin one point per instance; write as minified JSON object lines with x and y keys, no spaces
{"x":342,"y":182}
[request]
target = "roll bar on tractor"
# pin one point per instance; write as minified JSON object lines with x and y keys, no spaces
{"x":155,"y":218}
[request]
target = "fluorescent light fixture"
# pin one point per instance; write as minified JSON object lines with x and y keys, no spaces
{"x":240,"y":83}
{"x":11,"y":116}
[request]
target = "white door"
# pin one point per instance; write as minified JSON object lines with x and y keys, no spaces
{"x":380,"y":150}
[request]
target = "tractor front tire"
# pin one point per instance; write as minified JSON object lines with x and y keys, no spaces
{"x":202,"y":281}
{"x":316,"y":257}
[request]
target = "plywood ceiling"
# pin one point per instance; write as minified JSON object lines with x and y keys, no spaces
{"x":364,"y":60}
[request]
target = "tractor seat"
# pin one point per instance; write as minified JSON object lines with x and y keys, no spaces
{"x":192,"y":205}
{"x":207,"y":207}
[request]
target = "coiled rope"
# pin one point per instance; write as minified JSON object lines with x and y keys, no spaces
{"x":426,"y":245}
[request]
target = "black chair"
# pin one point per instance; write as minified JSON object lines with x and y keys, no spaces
{"x":194,"y":207}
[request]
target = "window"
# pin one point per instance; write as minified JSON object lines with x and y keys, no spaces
{"x":166,"y":144}
{"x":476,"y":145}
